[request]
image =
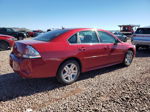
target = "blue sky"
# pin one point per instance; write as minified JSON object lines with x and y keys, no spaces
{"x":44,"y":14}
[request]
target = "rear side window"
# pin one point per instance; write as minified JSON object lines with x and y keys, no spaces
{"x":106,"y":38}
{"x":48,"y":36}
{"x":73,"y":39}
{"x":88,"y":37}
{"x":143,"y":31}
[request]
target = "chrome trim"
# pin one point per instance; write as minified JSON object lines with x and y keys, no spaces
{"x":79,"y":40}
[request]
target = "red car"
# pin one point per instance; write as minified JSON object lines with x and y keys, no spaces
{"x":68,"y":52}
{"x":6,"y":42}
{"x":31,"y":34}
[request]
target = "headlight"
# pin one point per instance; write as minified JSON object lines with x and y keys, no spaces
{"x":24,"y":34}
{"x":30,"y":52}
{"x":12,"y":39}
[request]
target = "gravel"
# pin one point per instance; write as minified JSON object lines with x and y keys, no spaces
{"x":111,"y":89}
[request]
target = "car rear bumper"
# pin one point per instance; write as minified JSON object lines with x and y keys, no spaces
{"x":32,"y":68}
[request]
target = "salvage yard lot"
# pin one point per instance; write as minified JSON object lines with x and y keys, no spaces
{"x":113,"y":88}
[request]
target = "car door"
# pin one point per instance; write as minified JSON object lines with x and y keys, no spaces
{"x":114,"y":46}
{"x":93,"y":54}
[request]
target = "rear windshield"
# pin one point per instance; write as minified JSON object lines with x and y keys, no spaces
{"x":48,"y":36}
{"x":143,"y":31}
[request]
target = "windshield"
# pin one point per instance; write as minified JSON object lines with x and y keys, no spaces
{"x":143,"y":31}
{"x":50,"y":35}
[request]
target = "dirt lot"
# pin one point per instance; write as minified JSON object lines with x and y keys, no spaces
{"x":112,"y":89}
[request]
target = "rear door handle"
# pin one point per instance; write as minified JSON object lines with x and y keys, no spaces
{"x":82,"y":49}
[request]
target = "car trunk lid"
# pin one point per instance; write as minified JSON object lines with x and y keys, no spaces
{"x":20,"y":46}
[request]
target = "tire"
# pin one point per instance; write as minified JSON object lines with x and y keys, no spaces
{"x":4,"y":45}
{"x":137,"y":47}
{"x":68,"y":72}
{"x":128,"y":58}
{"x":20,"y":38}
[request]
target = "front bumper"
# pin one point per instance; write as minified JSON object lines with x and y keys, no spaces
{"x":32,"y":68}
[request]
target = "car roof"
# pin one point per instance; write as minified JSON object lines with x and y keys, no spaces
{"x":78,"y":29}
{"x":145,"y":27}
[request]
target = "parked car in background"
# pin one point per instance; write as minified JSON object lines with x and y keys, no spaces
{"x":6,"y":42}
{"x":11,"y":32}
{"x":49,"y":30}
{"x":25,"y":33}
{"x":141,"y":38}
{"x":121,"y":36}
{"x":128,"y":30}
{"x":65,"y":53}
{"x":31,"y":34}
{"x":34,"y":33}
{"x":37,"y":32}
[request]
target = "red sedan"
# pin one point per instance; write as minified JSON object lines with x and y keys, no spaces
{"x":68,"y":52}
{"x":6,"y":42}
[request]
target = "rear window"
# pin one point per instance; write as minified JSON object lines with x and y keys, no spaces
{"x":48,"y":36}
{"x":143,"y":31}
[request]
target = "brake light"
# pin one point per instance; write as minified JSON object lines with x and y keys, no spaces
{"x":30,"y":52}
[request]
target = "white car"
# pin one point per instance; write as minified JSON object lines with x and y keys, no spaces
{"x":141,"y":38}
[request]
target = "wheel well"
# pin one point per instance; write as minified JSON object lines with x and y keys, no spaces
{"x":73,"y":58}
{"x":131,"y":50}
{"x":4,"y":41}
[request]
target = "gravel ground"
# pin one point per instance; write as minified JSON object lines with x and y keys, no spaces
{"x":111,"y":89}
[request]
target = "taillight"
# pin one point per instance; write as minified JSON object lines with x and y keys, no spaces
{"x":30,"y":52}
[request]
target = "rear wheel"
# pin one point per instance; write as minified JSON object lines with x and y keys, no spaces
{"x":68,"y":72}
{"x":128,"y":58}
{"x":4,"y":45}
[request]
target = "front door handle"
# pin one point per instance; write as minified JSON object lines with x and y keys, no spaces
{"x":106,"y":47}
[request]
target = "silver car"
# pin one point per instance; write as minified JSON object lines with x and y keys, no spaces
{"x":141,"y":38}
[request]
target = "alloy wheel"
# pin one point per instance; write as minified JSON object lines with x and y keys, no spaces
{"x":69,"y":72}
{"x":129,"y":58}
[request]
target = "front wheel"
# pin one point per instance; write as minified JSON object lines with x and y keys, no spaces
{"x":128,"y":58}
{"x":68,"y":72}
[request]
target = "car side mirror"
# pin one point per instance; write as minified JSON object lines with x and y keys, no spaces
{"x":116,"y":42}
